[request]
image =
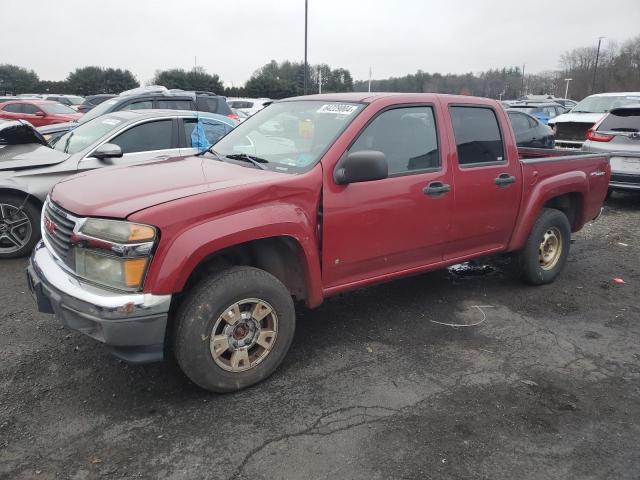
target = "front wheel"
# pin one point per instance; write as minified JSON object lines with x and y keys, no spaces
{"x":234,"y":329}
{"x":547,"y":248}
{"x":19,"y":226}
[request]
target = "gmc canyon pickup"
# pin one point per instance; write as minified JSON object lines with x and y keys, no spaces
{"x":204,"y":255}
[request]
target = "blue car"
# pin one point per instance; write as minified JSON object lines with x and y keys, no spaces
{"x":542,"y":111}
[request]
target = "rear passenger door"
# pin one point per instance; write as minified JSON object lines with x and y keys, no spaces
{"x":398,"y":223}
{"x":487,"y":187}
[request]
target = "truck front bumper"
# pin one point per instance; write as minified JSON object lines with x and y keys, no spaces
{"x":132,"y":324}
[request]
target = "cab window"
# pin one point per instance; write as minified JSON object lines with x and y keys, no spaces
{"x":477,"y":134}
{"x":407,"y":137}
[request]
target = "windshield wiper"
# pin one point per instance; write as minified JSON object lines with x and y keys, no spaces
{"x":257,"y":161}
{"x":66,"y":144}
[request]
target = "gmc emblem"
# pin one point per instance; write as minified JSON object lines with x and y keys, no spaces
{"x":50,"y":226}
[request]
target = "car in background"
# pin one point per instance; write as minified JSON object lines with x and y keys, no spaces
{"x":28,"y":171}
{"x":543,"y":111}
{"x":69,"y":100}
{"x":154,"y":97}
{"x":571,"y":128}
{"x":618,"y":133}
{"x":529,"y":131}
{"x":248,"y":105}
{"x":567,"y":103}
{"x":93,"y":101}
{"x":38,"y":112}
{"x":18,"y":132}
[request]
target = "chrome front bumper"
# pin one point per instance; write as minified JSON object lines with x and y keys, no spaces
{"x":132,"y":324}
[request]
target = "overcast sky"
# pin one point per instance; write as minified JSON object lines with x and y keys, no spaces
{"x":233,"y":38}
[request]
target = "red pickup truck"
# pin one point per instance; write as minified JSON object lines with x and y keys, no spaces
{"x":310,"y":197}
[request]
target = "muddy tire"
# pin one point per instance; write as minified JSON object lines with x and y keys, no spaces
{"x":19,"y":226}
{"x":234,"y":329}
{"x":546,"y":251}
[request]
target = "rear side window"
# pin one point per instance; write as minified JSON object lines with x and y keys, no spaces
{"x":407,"y":137}
{"x":213,"y":105}
{"x":175,"y":104}
{"x":621,"y":123}
{"x":210,"y":129}
{"x":13,"y":108}
{"x":146,"y":137}
{"x":477,"y":135}
{"x":519,"y":122}
{"x":144,"y":105}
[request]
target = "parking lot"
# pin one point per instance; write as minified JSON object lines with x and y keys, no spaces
{"x":546,"y":387}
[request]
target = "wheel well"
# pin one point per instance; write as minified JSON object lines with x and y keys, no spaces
{"x":280,"y":256}
{"x":570,"y":204}
{"x":19,"y":193}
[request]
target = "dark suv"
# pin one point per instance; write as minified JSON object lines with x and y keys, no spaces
{"x":169,"y":99}
{"x":146,"y":98}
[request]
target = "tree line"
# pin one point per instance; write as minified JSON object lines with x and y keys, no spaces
{"x":618,"y":69}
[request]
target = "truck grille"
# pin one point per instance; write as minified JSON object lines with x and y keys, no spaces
{"x":58,"y":227}
{"x":625,"y":178}
{"x":576,"y":131}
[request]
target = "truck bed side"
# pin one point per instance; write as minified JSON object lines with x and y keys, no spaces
{"x":573,"y":182}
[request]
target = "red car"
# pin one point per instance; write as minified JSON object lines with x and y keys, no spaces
{"x":311,"y":197}
{"x":38,"y":112}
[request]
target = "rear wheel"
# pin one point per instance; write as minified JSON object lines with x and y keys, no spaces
{"x":547,"y":248}
{"x":234,"y":329}
{"x":19,"y":226}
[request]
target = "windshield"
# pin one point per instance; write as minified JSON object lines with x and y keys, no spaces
{"x":101,"y":109}
{"x":603,"y":104}
{"x":56,"y":108}
{"x":290,"y":136}
{"x":86,"y":134}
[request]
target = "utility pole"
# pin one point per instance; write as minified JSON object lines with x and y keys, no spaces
{"x":369,"y":80}
{"x":195,"y":62}
{"x":320,"y":80}
{"x":306,"y":14}
{"x":595,"y":68}
{"x":566,"y":88}
{"x":522,"y":82}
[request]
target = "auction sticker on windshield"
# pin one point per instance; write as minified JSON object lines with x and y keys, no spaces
{"x":339,"y":108}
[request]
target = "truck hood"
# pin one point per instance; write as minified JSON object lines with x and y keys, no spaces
{"x":577,"y":117}
{"x":118,"y":192}
{"x":31,"y":155}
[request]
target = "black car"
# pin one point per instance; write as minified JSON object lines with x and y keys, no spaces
{"x":543,"y":111}
{"x":93,"y":101}
{"x":529,"y":131}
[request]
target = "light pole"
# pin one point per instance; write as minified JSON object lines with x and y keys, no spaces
{"x":595,"y":68}
{"x":566,"y":88}
{"x":306,"y":14}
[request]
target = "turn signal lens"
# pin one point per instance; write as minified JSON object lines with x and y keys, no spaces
{"x":134,"y":271}
{"x":139,"y":233}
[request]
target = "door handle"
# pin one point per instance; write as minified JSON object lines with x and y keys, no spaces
{"x":504,"y":180}
{"x":436,"y":189}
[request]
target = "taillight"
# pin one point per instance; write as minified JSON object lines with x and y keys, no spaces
{"x":233,"y":116}
{"x":598,"y":137}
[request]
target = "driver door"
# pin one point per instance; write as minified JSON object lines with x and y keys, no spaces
{"x":378,"y":228}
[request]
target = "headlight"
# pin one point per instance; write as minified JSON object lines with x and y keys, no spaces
{"x":117,"y":231}
{"x":113,"y":253}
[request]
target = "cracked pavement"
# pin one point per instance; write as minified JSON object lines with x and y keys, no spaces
{"x":548,"y":386}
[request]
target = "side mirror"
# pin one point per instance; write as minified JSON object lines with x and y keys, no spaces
{"x":40,"y":113}
{"x":362,"y":166}
{"x":107,"y":150}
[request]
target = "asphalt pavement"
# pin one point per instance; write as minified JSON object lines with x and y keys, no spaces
{"x":546,"y":385}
